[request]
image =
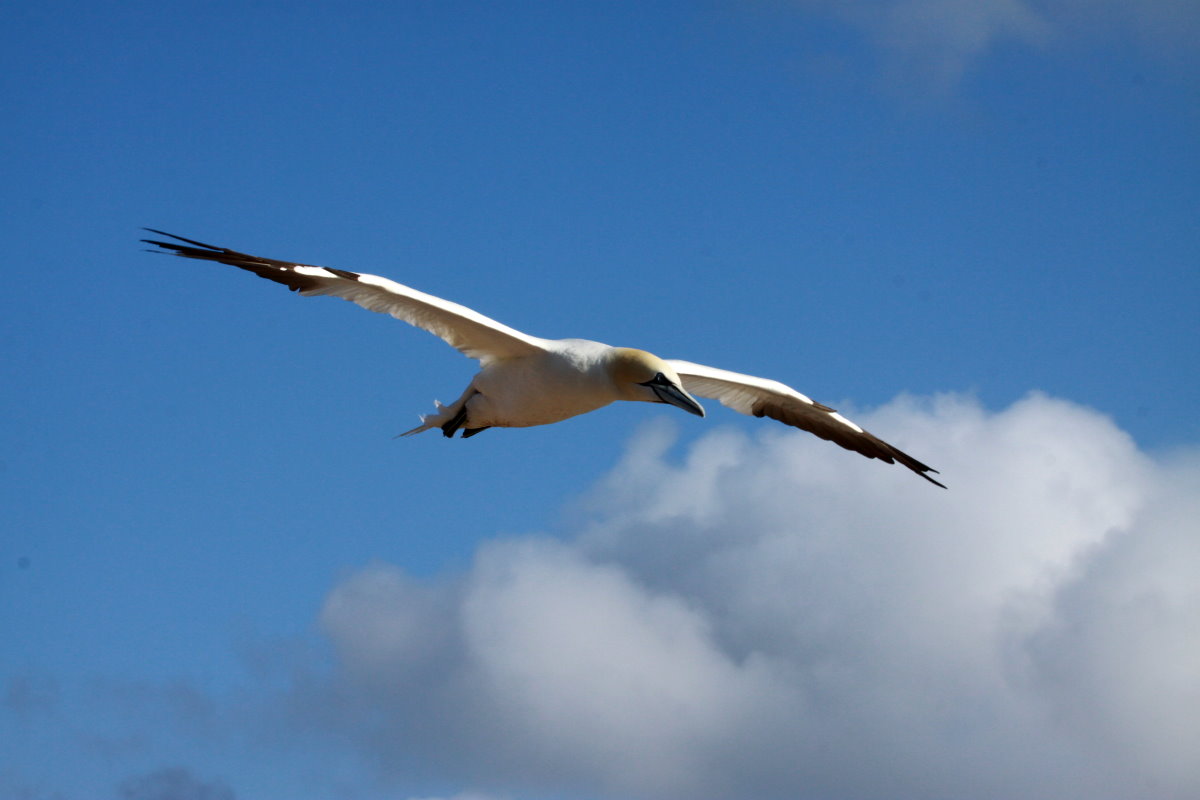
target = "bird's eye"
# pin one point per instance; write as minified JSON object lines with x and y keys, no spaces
{"x":657,"y":380}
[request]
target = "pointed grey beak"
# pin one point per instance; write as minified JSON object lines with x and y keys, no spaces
{"x":669,"y":392}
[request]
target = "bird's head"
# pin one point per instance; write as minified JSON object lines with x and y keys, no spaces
{"x":646,"y":377}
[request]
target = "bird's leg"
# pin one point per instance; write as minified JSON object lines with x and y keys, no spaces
{"x":460,"y":416}
{"x":455,"y":422}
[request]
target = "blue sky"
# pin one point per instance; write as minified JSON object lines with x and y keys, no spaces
{"x":971,"y":225}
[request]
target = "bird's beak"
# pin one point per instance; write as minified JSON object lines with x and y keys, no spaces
{"x":669,"y":392}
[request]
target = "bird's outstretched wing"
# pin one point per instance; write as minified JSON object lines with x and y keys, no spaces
{"x":470,"y":332}
{"x":766,"y":398}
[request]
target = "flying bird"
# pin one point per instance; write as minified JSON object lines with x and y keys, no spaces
{"x":525,"y":380}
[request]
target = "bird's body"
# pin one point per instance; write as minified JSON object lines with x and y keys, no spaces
{"x":525,"y":380}
{"x":566,"y":379}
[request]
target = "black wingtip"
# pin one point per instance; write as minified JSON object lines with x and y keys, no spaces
{"x":916,"y":466}
{"x":923,"y":470}
{"x":175,"y":247}
{"x":931,"y":480}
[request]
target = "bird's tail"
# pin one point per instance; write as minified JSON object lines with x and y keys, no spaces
{"x":449,"y":418}
{"x":441,"y":416}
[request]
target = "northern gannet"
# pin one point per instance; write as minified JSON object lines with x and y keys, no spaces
{"x":525,"y":380}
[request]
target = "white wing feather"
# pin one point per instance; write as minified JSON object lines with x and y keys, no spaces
{"x":468,"y":331}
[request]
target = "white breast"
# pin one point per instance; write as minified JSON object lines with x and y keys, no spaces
{"x":569,"y":379}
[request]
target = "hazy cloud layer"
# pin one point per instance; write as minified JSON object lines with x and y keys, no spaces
{"x":172,"y":783}
{"x":937,"y":41}
{"x":773,"y":617}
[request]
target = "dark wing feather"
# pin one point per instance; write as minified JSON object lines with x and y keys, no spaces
{"x":761,"y":397}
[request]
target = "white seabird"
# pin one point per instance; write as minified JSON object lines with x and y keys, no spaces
{"x":525,"y":380}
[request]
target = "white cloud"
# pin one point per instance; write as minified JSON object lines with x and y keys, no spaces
{"x":774,"y":617}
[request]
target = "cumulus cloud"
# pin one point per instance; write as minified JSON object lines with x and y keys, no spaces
{"x":770,"y":616}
